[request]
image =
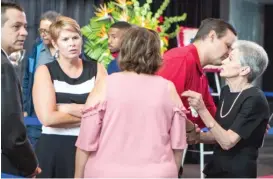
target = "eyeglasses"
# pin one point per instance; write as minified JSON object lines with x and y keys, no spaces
{"x":43,"y":31}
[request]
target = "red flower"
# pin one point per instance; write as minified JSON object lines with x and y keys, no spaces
{"x":161,"y":19}
{"x":167,"y":38}
{"x":158,"y":29}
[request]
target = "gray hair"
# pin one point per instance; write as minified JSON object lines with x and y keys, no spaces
{"x":50,"y":15}
{"x":254,"y":56}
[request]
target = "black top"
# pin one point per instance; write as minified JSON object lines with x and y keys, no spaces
{"x":17,"y":156}
{"x":248,"y":118}
{"x":73,"y":90}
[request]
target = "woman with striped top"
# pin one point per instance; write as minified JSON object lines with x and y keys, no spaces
{"x":59,"y":93}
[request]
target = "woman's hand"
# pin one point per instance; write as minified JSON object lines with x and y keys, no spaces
{"x":72,"y":109}
{"x":195,"y":100}
{"x":193,"y":136}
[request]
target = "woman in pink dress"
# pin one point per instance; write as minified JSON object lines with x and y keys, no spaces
{"x":134,"y":122}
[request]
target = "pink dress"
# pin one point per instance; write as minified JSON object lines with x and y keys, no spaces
{"x":132,"y":133}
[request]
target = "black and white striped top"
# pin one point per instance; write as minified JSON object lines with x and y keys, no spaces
{"x":71,"y":90}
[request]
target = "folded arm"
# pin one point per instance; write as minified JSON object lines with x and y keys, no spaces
{"x":44,"y":100}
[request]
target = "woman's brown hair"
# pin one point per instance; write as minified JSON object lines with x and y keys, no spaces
{"x":140,"y":51}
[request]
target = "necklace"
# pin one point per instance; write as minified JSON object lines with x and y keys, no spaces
{"x":221,"y":110}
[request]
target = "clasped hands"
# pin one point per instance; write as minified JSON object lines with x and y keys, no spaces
{"x":195,"y":100}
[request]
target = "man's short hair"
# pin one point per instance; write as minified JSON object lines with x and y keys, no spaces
{"x":121,"y":25}
{"x":4,"y":7}
{"x":218,"y":25}
{"x":50,"y":15}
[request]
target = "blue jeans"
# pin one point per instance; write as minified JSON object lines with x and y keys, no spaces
{"x":34,"y":133}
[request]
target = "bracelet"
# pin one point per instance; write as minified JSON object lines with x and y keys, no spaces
{"x":191,"y":129}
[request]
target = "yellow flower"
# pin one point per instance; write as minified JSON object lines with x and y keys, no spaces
{"x":123,"y":17}
{"x":147,"y":24}
{"x":165,"y":41}
{"x":124,"y":2}
{"x":102,"y":33}
{"x":103,"y":11}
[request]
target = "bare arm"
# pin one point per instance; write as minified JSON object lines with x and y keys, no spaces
{"x":207,"y":138}
{"x":178,"y":157}
{"x":95,"y":95}
{"x":101,"y":73}
{"x":72,"y":109}
{"x":45,"y":101}
{"x":76,"y":109}
{"x":226,"y":138}
{"x":80,"y":162}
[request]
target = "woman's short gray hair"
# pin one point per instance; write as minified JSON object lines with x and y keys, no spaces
{"x":254,"y":56}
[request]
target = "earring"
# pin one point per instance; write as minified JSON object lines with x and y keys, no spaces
{"x":56,"y":54}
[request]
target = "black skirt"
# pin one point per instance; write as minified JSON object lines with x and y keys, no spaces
{"x":56,"y":156}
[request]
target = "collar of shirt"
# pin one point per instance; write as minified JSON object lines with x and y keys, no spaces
{"x":45,"y":48}
{"x":12,"y":62}
{"x":5,"y":53}
{"x":115,"y":55}
{"x":196,"y":57}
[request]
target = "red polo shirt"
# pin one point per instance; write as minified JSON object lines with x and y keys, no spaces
{"x":182,"y":67}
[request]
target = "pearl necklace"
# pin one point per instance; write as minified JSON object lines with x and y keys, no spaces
{"x":221,"y":110}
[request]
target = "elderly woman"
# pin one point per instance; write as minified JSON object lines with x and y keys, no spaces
{"x":135,"y":124}
{"x":242,"y":115}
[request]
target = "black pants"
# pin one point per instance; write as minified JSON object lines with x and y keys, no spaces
{"x":56,"y":155}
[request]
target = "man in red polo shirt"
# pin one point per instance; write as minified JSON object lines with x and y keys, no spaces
{"x":184,"y":65}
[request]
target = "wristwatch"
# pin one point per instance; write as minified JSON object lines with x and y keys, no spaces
{"x":211,"y":125}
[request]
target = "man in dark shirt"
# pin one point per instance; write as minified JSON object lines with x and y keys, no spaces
{"x":17,"y":156}
{"x":115,"y":36}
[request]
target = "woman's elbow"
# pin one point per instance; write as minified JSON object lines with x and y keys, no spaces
{"x":45,"y":120}
{"x":228,"y":145}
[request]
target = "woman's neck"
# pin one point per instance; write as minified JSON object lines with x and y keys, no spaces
{"x":238,"y":85}
{"x":133,"y":72}
{"x":69,"y":63}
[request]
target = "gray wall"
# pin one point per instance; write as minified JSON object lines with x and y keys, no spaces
{"x":248,"y":19}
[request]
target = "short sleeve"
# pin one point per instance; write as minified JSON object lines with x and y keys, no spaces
{"x":91,"y":122}
{"x":178,"y":128}
{"x":253,"y":112}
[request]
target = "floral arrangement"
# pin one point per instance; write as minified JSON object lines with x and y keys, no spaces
{"x":96,"y":46}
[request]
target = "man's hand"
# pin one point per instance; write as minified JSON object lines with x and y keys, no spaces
{"x":37,"y":171}
{"x":25,"y":114}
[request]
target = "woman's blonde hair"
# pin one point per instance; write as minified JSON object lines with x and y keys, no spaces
{"x":63,"y":23}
